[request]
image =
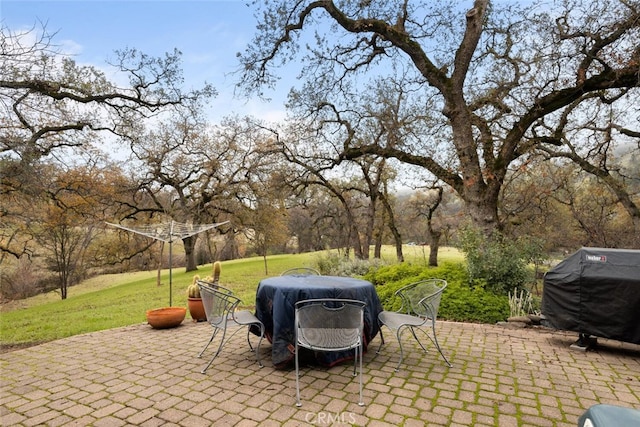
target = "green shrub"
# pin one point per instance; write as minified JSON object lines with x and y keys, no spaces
{"x":460,"y":301}
{"x":394,"y":273}
{"x":334,"y":264}
{"x":499,"y":261}
{"x":330,"y":262}
{"x":464,"y":303}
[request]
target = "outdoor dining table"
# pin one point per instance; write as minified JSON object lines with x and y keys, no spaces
{"x":275,"y":307}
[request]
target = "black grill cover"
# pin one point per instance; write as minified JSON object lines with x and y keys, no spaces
{"x":595,"y":291}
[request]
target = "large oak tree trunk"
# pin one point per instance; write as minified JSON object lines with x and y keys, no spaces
{"x":189,"y":253}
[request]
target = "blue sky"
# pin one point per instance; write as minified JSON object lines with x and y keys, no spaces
{"x":209,"y":33}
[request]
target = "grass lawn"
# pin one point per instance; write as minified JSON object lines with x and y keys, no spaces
{"x":117,"y":300}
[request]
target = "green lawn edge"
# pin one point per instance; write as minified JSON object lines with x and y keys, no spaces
{"x":118,"y":300}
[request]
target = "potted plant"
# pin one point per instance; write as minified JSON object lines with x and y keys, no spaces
{"x":194,"y":301}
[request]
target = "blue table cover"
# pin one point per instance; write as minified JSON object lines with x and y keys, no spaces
{"x":275,"y":307}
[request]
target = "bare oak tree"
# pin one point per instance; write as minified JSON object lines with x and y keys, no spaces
{"x":194,"y":172}
{"x":48,"y":98}
{"x":486,"y":76}
{"x":54,"y":109}
{"x":599,"y":145}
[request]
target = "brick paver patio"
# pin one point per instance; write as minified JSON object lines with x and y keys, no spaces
{"x":138,"y":376}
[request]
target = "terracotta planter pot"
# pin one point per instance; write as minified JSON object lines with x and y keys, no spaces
{"x":166,"y":317}
{"x":196,"y":309}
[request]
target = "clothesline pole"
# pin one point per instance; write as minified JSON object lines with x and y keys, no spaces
{"x":171,"y":264}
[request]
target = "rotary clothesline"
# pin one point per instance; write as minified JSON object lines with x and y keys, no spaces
{"x":168,"y":232}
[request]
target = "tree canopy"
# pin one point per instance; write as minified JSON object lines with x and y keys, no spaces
{"x":485,"y":87}
{"x":50,"y":102}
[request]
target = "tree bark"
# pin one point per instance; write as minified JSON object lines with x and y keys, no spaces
{"x":189,"y":252}
{"x":433,"y":248}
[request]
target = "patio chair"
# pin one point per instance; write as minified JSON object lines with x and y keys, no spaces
{"x":301,"y":271}
{"x":420,"y":302}
{"x":220,"y":308}
{"x":329,"y":324}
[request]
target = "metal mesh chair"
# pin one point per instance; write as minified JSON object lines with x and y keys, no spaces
{"x":329,"y":324}
{"x":301,"y":271}
{"x":220,"y":308}
{"x":420,"y":302}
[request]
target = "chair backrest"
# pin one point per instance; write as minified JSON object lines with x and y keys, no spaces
{"x":423,"y":298}
{"x":217,"y":305}
{"x":301,"y":271}
{"x":215,"y":285}
{"x":329,"y":324}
